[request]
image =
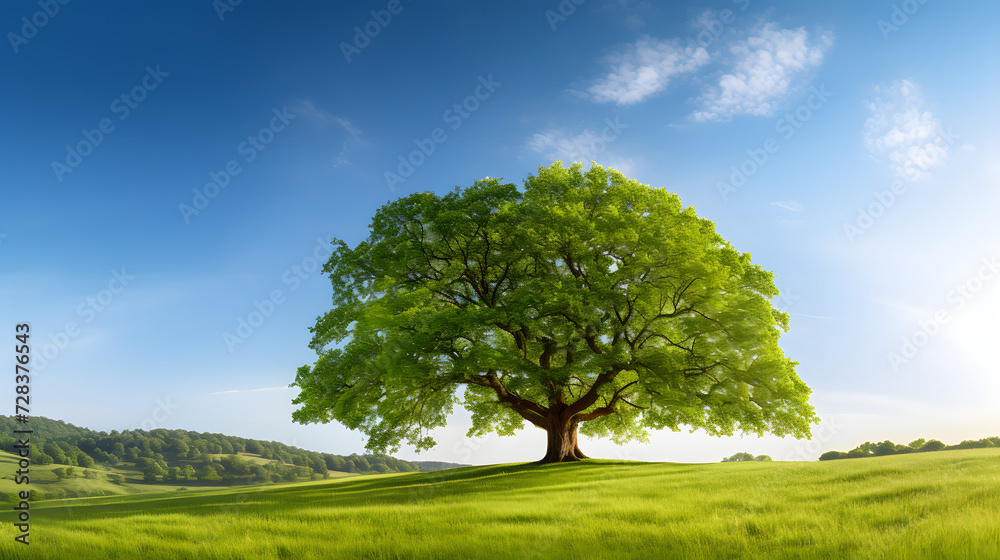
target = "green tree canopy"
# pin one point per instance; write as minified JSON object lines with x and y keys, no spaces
{"x":84,"y":460}
{"x":181,"y":447}
{"x":151,"y":471}
{"x":584,"y":301}
{"x":208,"y":473}
{"x":173,"y":473}
{"x":738,"y":457}
{"x":56,"y":452}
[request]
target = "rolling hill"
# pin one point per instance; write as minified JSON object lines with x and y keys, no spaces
{"x":943,"y":505}
{"x":70,"y":461}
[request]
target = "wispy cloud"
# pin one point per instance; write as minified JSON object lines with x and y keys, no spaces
{"x":788,"y":205}
{"x":766,"y":66}
{"x":901,"y":127}
{"x":644,"y":68}
{"x":309,"y":111}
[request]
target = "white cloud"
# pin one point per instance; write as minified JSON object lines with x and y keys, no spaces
{"x":644,"y":68}
{"x":788,"y":205}
{"x":583,"y":147}
{"x":627,"y":166}
{"x":761,"y":68}
{"x":556,"y":144}
{"x":902,"y":128}
{"x":766,"y":67}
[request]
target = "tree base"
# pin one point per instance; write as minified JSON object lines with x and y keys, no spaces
{"x":553,"y":456}
{"x":568,"y":459}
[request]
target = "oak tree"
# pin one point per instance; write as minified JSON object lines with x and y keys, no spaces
{"x":584,"y":302}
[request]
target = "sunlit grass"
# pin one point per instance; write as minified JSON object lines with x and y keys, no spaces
{"x":935,"y":505}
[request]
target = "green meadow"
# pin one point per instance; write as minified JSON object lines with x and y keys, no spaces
{"x":926,"y":505}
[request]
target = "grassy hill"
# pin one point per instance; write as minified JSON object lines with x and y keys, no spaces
{"x":47,"y":485}
{"x":157,"y":450}
{"x":943,"y":505}
{"x":172,"y":459}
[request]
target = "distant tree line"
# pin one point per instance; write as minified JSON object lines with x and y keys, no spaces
{"x":869,"y":449}
{"x":736,"y":457}
{"x":175,"y":455}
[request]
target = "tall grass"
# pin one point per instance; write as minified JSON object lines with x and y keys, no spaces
{"x":943,"y":505}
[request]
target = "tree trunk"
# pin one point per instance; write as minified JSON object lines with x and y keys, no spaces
{"x":562,"y":443}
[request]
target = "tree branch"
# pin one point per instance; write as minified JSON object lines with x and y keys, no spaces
{"x":606,"y":409}
{"x":588,"y":399}
{"x":527,"y":409}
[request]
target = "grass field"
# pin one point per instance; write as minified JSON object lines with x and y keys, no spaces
{"x":942,"y":505}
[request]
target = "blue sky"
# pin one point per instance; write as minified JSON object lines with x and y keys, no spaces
{"x":171,"y":179}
